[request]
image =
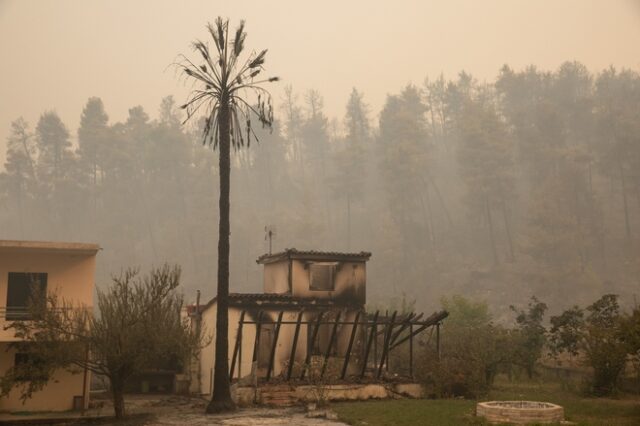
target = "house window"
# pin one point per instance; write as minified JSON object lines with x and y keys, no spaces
{"x":23,"y":289}
{"x":322,"y":276}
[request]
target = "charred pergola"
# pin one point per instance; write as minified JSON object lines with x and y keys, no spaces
{"x":395,"y":330}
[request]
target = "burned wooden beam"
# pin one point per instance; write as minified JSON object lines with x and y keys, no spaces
{"x":375,"y":344}
{"x":296,"y":333}
{"x":330,"y":345}
{"x":431,"y":321}
{"x":402,"y":325}
{"x":274,"y":345}
{"x":284,"y":322}
{"x":352,"y":338}
{"x":387,"y":340}
{"x":369,"y":342}
{"x":240,"y":359}
{"x":411,"y":351}
{"x":236,"y":347}
{"x":310,"y":344}
{"x":411,"y":319}
{"x":438,"y":340}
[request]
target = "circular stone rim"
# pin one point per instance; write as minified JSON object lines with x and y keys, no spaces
{"x":499,"y":404}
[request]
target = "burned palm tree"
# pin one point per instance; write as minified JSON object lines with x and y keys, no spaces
{"x":225,"y":81}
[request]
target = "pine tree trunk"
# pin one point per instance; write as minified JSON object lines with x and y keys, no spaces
{"x":624,"y":200}
{"x":490,"y":221}
{"x":221,"y":400}
{"x":348,"y":221}
{"x":432,"y":229}
{"x":19,"y":201}
{"x":507,"y":227}
{"x":433,"y":119}
{"x":426,"y":217}
{"x":441,"y":199}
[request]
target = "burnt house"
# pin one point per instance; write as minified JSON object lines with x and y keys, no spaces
{"x":299,"y":286}
{"x":312,"y":308}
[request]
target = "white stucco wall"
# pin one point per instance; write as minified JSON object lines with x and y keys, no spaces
{"x":276,"y":277}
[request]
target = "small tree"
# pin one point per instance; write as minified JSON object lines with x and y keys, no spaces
{"x":473,"y":352}
{"x":631,"y":336}
{"x":530,"y":335}
{"x":138,"y":326}
{"x":598,"y":335}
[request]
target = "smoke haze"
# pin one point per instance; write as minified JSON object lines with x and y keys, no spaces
{"x":399,"y":130}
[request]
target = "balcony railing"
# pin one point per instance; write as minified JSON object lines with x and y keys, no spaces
{"x":9,"y":313}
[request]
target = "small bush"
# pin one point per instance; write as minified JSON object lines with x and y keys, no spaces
{"x":473,"y":351}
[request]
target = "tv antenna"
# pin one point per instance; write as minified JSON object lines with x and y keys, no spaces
{"x":269,"y":234}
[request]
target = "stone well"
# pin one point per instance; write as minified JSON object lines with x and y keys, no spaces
{"x":520,"y":412}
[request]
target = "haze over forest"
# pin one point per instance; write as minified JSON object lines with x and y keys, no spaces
{"x":401,"y":132}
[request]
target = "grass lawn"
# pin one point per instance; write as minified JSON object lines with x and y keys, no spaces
{"x":624,"y":411}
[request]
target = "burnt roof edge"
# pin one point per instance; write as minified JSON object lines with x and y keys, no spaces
{"x":280,"y":300}
{"x":293,"y":253}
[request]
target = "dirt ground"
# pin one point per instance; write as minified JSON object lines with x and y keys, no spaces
{"x":245,"y":417}
{"x":177,"y":411}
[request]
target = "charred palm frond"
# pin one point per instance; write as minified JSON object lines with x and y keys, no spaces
{"x":224,"y":77}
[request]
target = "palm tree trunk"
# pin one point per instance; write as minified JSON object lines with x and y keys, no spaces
{"x":221,"y":399}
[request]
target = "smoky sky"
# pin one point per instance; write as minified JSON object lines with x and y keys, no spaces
{"x":57,"y":54}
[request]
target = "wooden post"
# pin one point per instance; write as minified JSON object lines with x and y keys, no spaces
{"x":411,"y":351}
{"x":240,"y":358}
{"x":372,"y":336}
{"x":375,"y":344}
{"x":274,"y":345}
{"x":350,"y":346}
{"x":236,"y":347}
{"x":310,"y":344}
{"x":292,"y":358}
{"x":256,"y":344}
{"x":387,"y":340}
{"x":330,"y":345}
